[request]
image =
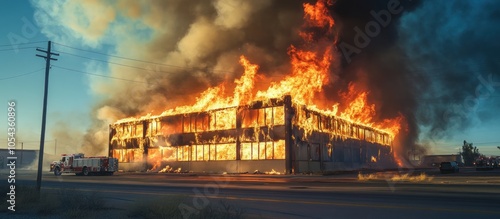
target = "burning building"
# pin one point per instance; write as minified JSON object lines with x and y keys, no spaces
{"x":285,"y":125}
{"x":275,"y":135}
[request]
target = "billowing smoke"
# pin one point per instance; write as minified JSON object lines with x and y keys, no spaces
{"x":434,"y":62}
{"x":373,"y":59}
{"x":454,"y":47}
{"x":418,"y":59}
{"x":197,"y":44}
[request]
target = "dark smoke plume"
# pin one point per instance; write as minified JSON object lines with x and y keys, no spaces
{"x":198,"y":44}
{"x":379,"y":64}
{"x":454,"y":45}
{"x":425,"y":63}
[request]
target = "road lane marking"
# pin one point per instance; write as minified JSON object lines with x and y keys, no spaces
{"x":343,"y":204}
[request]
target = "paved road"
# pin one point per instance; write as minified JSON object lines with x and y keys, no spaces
{"x":468,"y":194}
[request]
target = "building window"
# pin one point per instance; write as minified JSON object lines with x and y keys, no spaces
{"x":202,"y":122}
{"x":169,"y":153}
{"x":186,"y":121}
{"x":199,"y":152}
{"x":226,"y":151}
{"x":269,"y":150}
{"x":269,"y":116}
{"x":262,"y":150}
{"x":206,"y":152}
{"x":314,"y":152}
{"x":171,"y":125}
{"x":329,"y":148}
{"x":183,"y":153}
{"x":279,"y":115}
{"x":212,"y":152}
{"x":128,"y":155}
{"x":139,"y":130}
{"x":255,"y":151}
{"x":223,"y":119}
{"x":279,"y":149}
{"x":246,"y":151}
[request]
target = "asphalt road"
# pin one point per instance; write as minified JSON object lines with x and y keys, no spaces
{"x":468,"y":194}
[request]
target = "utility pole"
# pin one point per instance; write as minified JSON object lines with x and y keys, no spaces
{"x":55,"y":148}
{"x":48,"y":57}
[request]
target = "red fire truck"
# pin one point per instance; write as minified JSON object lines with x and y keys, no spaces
{"x":81,"y":165}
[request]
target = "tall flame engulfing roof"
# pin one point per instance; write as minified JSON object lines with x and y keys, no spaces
{"x":310,"y":70}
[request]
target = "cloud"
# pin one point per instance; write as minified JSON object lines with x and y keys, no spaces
{"x":235,"y":14}
{"x":64,"y":21}
{"x":193,"y":42}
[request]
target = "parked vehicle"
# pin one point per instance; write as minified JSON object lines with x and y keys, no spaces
{"x":81,"y":165}
{"x":485,"y":164}
{"x":449,"y":167}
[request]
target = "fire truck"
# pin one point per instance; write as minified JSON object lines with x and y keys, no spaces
{"x":81,"y":165}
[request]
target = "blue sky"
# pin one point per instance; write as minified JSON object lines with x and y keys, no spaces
{"x":74,"y":95}
{"x":69,"y":94}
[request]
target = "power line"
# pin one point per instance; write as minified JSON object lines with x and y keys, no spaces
{"x":221,"y":71}
{"x":114,"y":63}
{"x":29,"y":141}
{"x":98,"y":75}
{"x":19,"y":48}
{"x":19,"y":44}
{"x":139,"y":60}
{"x":115,"y":56}
{"x":16,"y":76}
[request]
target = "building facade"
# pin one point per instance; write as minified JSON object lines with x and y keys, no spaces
{"x":275,"y":135}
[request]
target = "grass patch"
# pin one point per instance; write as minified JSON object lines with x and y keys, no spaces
{"x":409,"y":178}
{"x":182,"y":207}
{"x":67,"y":203}
{"x":26,"y":198}
{"x":72,"y":203}
{"x":221,"y":209}
{"x":165,"y":207}
{"x":395,"y":178}
{"x":366,"y":177}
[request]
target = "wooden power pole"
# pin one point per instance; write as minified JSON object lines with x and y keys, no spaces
{"x":48,"y":56}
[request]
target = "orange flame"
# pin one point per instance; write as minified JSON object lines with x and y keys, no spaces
{"x":310,"y":72}
{"x":317,"y":15}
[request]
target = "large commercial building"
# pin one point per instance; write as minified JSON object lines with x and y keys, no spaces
{"x":268,"y":135}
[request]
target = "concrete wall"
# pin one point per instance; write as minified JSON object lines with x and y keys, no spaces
{"x":132,"y":167}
